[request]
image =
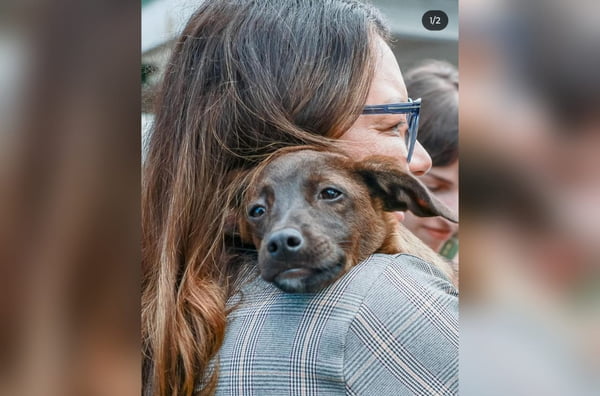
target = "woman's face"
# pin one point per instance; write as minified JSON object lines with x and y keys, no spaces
{"x":384,"y":134}
{"x":443,"y":183}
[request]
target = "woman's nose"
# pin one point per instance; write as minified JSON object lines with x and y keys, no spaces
{"x":420,"y":162}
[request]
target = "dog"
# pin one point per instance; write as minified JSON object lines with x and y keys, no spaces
{"x":314,"y":214}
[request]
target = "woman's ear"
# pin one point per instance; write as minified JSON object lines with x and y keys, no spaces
{"x":399,"y":190}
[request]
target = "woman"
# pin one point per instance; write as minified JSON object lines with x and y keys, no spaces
{"x":246,"y":78}
{"x":436,"y":82}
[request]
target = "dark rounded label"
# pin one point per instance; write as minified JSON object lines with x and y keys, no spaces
{"x":435,"y":20}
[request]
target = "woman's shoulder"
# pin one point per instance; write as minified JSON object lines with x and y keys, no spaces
{"x":400,"y":286}
{"x":404,"y":334}
{"x":388,"y":306}
{"x":388,"y":286}
{"x":382,"y":274}
{"x":391,"y":279}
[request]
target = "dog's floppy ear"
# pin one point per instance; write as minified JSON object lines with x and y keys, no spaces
{"x":399,"y":190}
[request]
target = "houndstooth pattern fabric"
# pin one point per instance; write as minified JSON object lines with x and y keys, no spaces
{"x":388,"y":327}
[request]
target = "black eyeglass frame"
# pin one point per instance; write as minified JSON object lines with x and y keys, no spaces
{"x":412,"y":108}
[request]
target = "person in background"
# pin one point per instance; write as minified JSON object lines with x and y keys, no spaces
{"x":436,"y":83}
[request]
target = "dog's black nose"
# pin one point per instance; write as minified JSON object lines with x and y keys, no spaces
{"x":284,"y":242}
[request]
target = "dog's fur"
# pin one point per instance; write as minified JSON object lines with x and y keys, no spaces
{"x":328,"y":234}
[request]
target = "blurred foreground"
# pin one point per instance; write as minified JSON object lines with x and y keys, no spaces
{"x":530,"y":195}
{"x":69,"y":198}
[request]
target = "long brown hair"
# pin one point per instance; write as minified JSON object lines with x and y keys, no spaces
{"x":246,"y":77}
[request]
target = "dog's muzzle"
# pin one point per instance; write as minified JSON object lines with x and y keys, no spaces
{"x":296,"y":264}
{"x":285,"y":244}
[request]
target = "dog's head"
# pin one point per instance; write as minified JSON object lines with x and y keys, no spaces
{"x":313,"y":214}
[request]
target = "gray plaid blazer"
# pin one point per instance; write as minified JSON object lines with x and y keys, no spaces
{"x":388,"y":327}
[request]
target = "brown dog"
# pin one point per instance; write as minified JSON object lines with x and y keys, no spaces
{"x":312,"y":215}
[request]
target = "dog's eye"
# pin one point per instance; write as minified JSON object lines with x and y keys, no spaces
{"x":329,"y":193}
{"x":257,"y":211}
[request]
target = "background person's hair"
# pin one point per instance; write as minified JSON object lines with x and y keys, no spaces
{"x":436,"y":82}
{"x":246,"y":78}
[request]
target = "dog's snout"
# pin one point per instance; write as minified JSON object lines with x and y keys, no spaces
{"x":284,"y":242}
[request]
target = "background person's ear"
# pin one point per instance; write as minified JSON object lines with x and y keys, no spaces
{"x":399,"y":190}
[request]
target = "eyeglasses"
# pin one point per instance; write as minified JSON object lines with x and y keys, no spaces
{"x":411,"y":109}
